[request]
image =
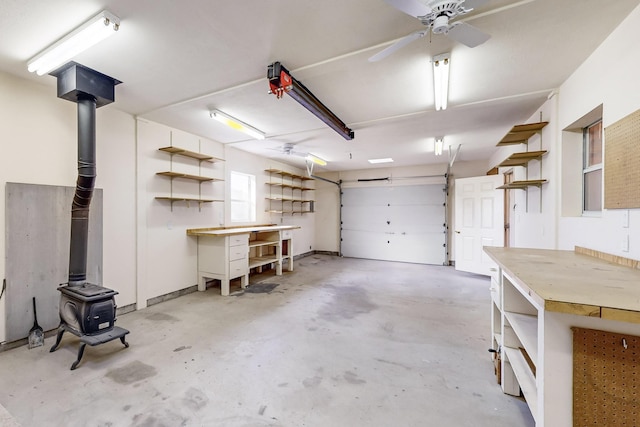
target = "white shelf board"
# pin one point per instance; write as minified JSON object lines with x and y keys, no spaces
{"x":526,"y":328}
{"x":260,"y":261}
{"x":525,"y":378}
{"x":256,"y":243}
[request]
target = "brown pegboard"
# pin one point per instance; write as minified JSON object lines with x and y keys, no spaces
{"x":606,"y":377}
{"x":622,"y":163}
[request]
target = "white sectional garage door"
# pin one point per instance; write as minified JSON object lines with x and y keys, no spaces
{"x":395,"y":223}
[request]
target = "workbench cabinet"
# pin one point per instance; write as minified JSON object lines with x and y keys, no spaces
{"x":544,"y":295}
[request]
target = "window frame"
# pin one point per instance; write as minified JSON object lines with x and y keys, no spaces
{"x":249,"y":203}
{"x":590,"y":168}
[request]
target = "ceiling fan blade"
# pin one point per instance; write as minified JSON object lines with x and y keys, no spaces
{"x":410,"y":7}
{"x":467,"y":34}
{"x":472,"y":4}
{"x":398,"y":45}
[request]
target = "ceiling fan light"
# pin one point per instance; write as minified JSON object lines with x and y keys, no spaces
{"x":440,"y":24}
{"x":82,"y":38}
{"x":441,"y":80}
{"x":236,"y":124}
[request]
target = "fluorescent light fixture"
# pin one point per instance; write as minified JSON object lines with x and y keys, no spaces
{"x":385,"y":160}
{"x":236,"y":124}
{"x":82,"y":38}
{"x":441,"y":80}
{"x":437,"y":148}
{"x":315,"y":159}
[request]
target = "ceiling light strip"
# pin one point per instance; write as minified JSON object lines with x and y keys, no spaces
{"x":441,"y":80}
{"x":82,"y":38}
{"x":236,"y":124}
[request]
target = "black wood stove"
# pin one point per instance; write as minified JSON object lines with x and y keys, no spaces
{"x":86,"y":310}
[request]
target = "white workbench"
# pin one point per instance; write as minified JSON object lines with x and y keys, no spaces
{"x":228,"y":253}
{"x":537,"y":297}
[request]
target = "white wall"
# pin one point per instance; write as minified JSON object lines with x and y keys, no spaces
{"x":533,"y":211}
{"x":608,"y":77}
{"x":39,"y":146}
{"x":167,"y":257}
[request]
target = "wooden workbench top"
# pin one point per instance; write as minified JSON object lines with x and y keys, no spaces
{"x":574,"y":283}
{"x":237,"y":230}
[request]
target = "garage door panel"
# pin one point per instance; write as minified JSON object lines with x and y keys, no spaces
{"x":364,"y":244}
{"x":431,"y":244}
{"x":404,"y":223}
{"x":364,"y":217}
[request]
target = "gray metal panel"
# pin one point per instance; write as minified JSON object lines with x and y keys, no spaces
{"x":38,"y":227}
{"x":395,"y":223}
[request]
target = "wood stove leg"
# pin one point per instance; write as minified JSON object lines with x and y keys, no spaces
{"x":122,"y":340}
{"x":80,"y":353}
{"x":58,"y":338}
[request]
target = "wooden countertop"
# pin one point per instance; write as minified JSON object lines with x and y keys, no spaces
{"x":573,"y":283}
{"x":221,"y":231}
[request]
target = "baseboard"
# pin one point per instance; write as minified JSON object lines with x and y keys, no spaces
{"x":325,"y":253}
{"x":125,"y":309}
{"x":172,"y":295}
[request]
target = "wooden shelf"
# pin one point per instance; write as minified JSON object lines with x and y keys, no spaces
{"x":522,"y":185}
{"x":522,"y":159}
{"x":277,"y":211}
{"x":187,"y":200}
{"x":285,"y":199}
{"x":288,"y":174}
{"x":526,"y":328}
{"x":192,"y":154}
{"x":172,"y":175}
{"x":525,"y":377}
{"x":520,"y":134}
{"x":294,"y":187}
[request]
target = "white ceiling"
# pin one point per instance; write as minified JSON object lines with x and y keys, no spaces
{"x":178,"y":60}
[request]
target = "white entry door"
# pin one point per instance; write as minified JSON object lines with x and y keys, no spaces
{"x":395,"y":223}
{"x":479,"y":221}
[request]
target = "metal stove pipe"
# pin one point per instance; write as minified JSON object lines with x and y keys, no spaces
{"x":84,"y":189}
{"x":90,"y":90}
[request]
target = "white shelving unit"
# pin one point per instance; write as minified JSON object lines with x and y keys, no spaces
{"x":544,"y":295}
{"x":519,"y":334}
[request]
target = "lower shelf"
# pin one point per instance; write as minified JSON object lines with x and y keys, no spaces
{"x":526,"y":380}
{"x":262,"y":260}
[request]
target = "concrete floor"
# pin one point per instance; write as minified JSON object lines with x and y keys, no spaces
{"x":339,"y":342}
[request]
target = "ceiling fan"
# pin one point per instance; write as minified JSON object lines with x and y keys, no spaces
{"x":436,"y":16}
{"x":288,"y":149}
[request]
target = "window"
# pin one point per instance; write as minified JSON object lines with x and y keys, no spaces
{"x":592,"y":169}
{"x":243,"y":197}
